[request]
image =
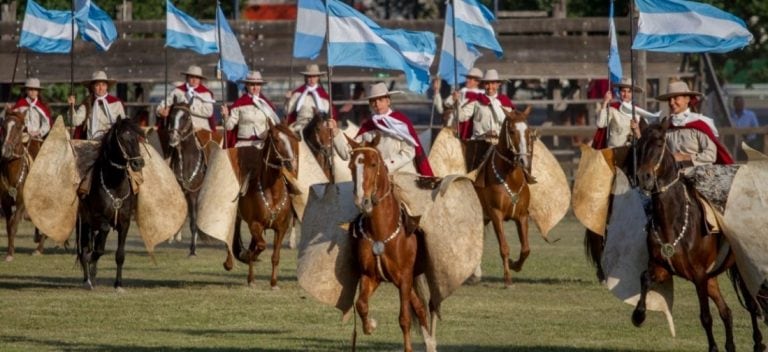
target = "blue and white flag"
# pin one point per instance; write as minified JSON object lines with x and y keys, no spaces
{"x":95,"y":25}
{"x":614,"y":61}
{"x":310,"y":29}
{"x":464,"y":56}
{"x":46,"y":31}
{"x":357,"y":41}
{"x":688,"y":27}
{"x":232,"y":61}
{"x":473,"y":24}
{"x":185,"y":32}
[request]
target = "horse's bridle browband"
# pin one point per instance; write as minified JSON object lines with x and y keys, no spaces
{"x":190,"y":128}
{"x":280,"y":157}
{"x":662,"y":189}
{"x":375,"y":199}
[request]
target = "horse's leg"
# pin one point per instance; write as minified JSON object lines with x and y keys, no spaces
{"x":257,"y":234}
{"x":417,"y":304}
{"x":594,"y":245}
{"x":405,"y":287}
{"x":9,"y":215}
{"x":192,"y":211}
{"x":101,"y":245}
{"x":754,"y":310}
{"x":237,"y":246}
{"x":638,"y":316}
{"x":40,"y":240}
{"x":713,"y":290}
{"x":279,"y":235}
{"x":702,"y":292}
{"x":525,"y":249}
{"x":84,"y":252}
{"x":368,"y":285}
{"x":498,"y":227}
{"x":122,"y":234}
{"x":292,"y":235}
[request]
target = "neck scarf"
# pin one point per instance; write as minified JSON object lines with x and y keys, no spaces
{"x":686,"y":117}
{"x":394,"y":127}
{"x":192,"y":94}
{"x":319,"y":103}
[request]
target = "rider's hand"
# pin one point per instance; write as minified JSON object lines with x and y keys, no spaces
{"x":71,"y":100}
{"x":455,"y":96}
{"x":607,"y":97}
{"x":224,"y":111}
{"x":436,"y":84}
{"x":288,"y":94}
{"x":331,"y":123}
{"x":164,"y":112}
{"x":682,"y":157}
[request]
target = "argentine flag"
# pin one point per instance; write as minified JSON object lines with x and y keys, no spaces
{"x":473,"y":28}
{"x":310,"y":29}
{"x":680,"y":26}
{"x":46,"y":31}
{"x":614,"y":61}
{"x":185,"y":32}
{"x":95,"y":25}
{"x":355,"y":40}
{"x":232,"y":61}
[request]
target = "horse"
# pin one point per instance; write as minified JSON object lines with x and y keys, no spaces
{"x":15,"y":162}
{"x":188,"y":162}
{"x":266,"y":202}
{"x":679,"y":242}
{"x":385,"y":241}
{"x":319,"y":138}
{"x":110,"y":201}
{"x":502,"y":186}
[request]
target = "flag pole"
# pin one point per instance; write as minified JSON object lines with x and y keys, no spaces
{"x":330,"y":74}
{"x":220,"y":73}
{"x":455,"y":67}
{"x":633,"y":138}
{"x":72,"y":53}
{"x":13,"y":76}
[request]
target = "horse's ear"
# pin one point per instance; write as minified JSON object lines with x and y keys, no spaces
{"x":643,"y":125}
{"x":376,"y":140}
{"x":174,"y":100}
{"x":665,"y":124}
{"x":352,"y":142}
{"x":527,"y":111}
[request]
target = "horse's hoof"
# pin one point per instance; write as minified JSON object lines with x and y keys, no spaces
{"x":119,"y":290}
{"x":88,"y":285}
{"x":228,"y":266}
{"x":638,"y":317}
{"x":8,"y":258}
{"x":473,"y":280}
{"x":516,"y":266}
{"x":370,"y":327}
{"x":37,"y":253}
{"x":275,"y":288}
{"x":252,"y":284}
{"x":192,"y":255}
{"x":760,"y":348}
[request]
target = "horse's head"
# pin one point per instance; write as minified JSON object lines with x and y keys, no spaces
{"x":12,"y":132}
{"x":181,"y":123}
{"x":368,"y":173}
{"x":121,"y":144}
{"x":517,"y":137}
{"x":655,"y":161}
{"x":283,"y":148}
{"x":318,"y":133}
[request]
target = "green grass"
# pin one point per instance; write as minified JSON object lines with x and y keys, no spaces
{"x":192,"y":304}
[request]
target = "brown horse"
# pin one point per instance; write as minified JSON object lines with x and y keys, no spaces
{"x":319,"y":139}
{"x":679,"y":242}
{"x":266,"y":203}
{"x":502,"y":187}
{"x":188,"y":162}
{"x":388,"y":248}
{"x":14,"y":167}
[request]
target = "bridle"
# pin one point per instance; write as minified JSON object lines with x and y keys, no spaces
{"x":125,"y":155}
{"x":656,"y":167}
{"x":374,"y":197}
{"x":188,"y":129}
{"x":184,"y":134}
{"x":281,"y":158}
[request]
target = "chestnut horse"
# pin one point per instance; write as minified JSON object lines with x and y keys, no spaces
{"x":266,"y":203}
{"x":14,"y":167}
{"x":319,"y":139}
{"x":385,"y":240}
{"x":502,"y":187}
{"x":111,"y":199}
{"x":679,"y":242}
{"x":187,"y":162}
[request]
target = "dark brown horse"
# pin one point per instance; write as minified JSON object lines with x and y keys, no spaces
{"x":679,"y":242}
{"x":385,"y":240}
{"x":14,"y":167}
{"x":319,"y":139}
{"x":111,"y":200}
{"x":188,"y":162}
{"x":502,"y":186}
{"x":266,"y":203}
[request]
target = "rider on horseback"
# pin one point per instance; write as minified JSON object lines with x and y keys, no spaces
{"x":471,"y":89}
{"x":99,"y":111}
{"x":37,"y":116}
{"x":199,"y":98}
{"x":302,"y":102}
{"x":615,"y":122}
{"x":486,"y":111}
{"x":399,"y":144}
{"x":248,"y":121}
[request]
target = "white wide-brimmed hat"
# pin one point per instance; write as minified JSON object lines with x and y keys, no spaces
{"x":492,"y":76}
{"x":627,"y":83}
{"x":99,"y":76}
{"x":253,"y":77}
{"x":474,"y":73}
{"x":313,"y":70}
{"x":379,"y":90}
{"x":32,"y":83}
{"x":678,"y":88}
{"x":195,"y":71}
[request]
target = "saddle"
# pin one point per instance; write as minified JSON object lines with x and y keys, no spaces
{"x":245,"y":162}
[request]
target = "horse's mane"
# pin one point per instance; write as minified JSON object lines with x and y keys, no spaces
{"x":17,"y":115}
{"x":120,"y":125}
{"x":283,"y":128}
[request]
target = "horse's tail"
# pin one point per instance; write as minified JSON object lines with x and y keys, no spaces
{"x":594,"y":245}
{"x":760,"y":301}
{"x":237,"y":243}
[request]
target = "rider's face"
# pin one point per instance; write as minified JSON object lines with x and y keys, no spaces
{"x":491,"y":87}
{"x":193,"y":81}
{"x":380,"y":105}
{"x":100,"y":88}
{"x":472,"y":82}
{"x":626,"y":94}
{"x":312,"y":80}
{"x":679,"y":103}
{"x":33,"y":93}
{"x":253,"y":88}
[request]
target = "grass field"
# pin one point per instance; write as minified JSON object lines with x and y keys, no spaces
{"x":192,"y":304}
